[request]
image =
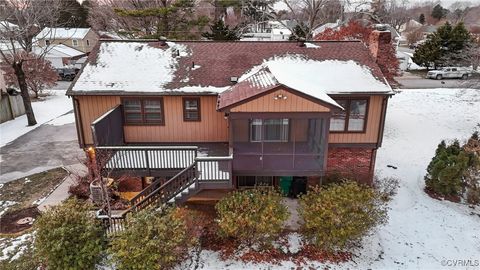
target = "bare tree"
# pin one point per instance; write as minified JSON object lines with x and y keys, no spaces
{"x":309,"y":14}
{"x":22,"y":20}
{"x":459,"y":10}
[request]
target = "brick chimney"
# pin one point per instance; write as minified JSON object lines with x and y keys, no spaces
{"x":379,"y":44}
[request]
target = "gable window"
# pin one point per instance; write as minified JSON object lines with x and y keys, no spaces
{"x":269,"y":130}
{"x":143,"y":111}
{"x":353,"y":118}
{"x":47,"y":42}
{"x":88,"y":42}
{"x":74,"y":42}
{"x":191,"y":109}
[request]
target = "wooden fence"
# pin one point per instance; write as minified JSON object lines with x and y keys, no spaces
{"x":11,"y":107}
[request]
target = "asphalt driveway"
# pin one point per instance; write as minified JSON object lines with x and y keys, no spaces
{"x":41,"y":149}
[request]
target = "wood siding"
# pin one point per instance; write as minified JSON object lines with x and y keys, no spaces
{"x":212,"y":128}
{"x":267,"y":103}
{"x":373,"y":125}
{"x":92,"y":107}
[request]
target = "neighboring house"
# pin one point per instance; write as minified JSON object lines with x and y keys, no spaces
{"x":62,"y":55}
{"x":82,"y":39}
{"x":226,"y":115}
{"x":269,"y":31}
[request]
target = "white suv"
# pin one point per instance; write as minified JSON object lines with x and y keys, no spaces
{"x":449,"y":73}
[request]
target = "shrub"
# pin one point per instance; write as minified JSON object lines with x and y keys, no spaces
{"x":152,"y":240}
{"x":446,"y":170}
{"x":337,"y":216}
{"x":26,"y":261}
{"x":252,"y":217}
{"x":69,"y":237}
{"x":387,"y":187}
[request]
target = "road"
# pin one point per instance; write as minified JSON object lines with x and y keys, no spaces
{"x":413,"y":81}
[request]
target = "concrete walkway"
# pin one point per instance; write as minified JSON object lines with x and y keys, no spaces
{"x":61,"y":192}
{"x":293,"y":221}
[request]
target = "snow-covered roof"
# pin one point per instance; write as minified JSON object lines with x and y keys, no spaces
{"x":317,"y":79}
{"x":152,"y":67}
{"x":128,"y":66}
{"x":324,"y":27}
{"x":59,"y":50}
{"x":62,"y":33}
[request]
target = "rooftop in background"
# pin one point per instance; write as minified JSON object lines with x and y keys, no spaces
{"x":62,"y":33}
{"x":205,"y":67}
{"x":60,"y":50}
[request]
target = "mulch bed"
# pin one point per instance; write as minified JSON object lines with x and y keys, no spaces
{"x":133,"y":184}
{"x":203,"y":215}
{"x":8,"y":221}
{"x":434,"y":195}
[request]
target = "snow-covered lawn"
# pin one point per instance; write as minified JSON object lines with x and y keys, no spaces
{"x":54,"y":105}
{"x":421,"y":232}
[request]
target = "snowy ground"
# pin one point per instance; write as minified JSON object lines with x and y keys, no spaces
{"x":54,"y":105}
{"x":422,"y":233}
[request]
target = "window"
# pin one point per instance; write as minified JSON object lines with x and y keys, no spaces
{"x":191,"y":109}
{"x":74,"y":42}
{"x":269,"y":130}
{"x":254,"y":181}
{"x":47,"y":42}
{"x":353,"y":118}
{"x":88,"y":42}
{"x":143,"y":111}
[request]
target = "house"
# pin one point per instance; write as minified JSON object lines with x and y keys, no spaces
{"x":269,"y":31}
{"x":62,"y":55}
{"x":82,"y":39}
{"x":224,"y":115}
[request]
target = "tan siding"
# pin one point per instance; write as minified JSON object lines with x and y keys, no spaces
{"x":373,"y":124}
{"x":212,"y":128}
{"x":92,"y":107}
{"x":267,"y":103}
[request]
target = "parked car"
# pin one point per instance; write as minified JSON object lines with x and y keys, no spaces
{"x":449,"y":73}
{"x":67,"y":74}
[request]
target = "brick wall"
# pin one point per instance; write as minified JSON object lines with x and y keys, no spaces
{"x":355,"y":163}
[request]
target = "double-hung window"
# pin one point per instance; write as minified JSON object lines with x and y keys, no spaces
{"x":269,"y":130}
{"x":353,"y":118}
{"x":143,"y":111}
{"x":191,"y":109}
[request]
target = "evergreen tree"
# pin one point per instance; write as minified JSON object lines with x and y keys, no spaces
{"x":220,"y":31}
{"x":447,"y":46}
{"x":445,"y":171}
{"x":73,"y":14}
{"x":174,"y":19}
{"x":421,"y":19}
{"x":299,"y":31}
{"x":439,"y":12}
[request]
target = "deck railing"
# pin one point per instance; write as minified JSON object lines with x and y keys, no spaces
{"x":156,"y":198}
{"x":214,"y":168}
{"x":146,"y":157}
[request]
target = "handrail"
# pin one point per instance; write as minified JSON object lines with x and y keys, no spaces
{"x":146,"y":191}
{"x":214,"y":158}
{"x":134,"y":147}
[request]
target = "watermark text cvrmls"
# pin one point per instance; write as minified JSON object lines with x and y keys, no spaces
{"x":461,"y":262}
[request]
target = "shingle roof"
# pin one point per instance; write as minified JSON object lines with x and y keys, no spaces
{"x":199,"y":66}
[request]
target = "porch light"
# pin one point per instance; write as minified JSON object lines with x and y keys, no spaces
{"x":280,"y":96}
{"x":91,"y":153}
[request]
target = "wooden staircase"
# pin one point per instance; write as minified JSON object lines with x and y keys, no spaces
{"x":182,"y":185}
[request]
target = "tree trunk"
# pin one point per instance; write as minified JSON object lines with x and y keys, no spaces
{"x":17,"y":67}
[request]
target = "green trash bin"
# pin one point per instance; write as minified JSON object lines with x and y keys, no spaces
{"x":285,"y":184}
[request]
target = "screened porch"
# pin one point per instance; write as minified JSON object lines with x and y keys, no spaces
{"x":279,"y":144}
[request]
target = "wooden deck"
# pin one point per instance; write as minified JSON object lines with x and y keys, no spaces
{"x":208,"y":196}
